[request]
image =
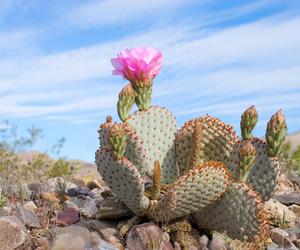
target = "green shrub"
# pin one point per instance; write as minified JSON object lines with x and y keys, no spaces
{"x":59,"y":167}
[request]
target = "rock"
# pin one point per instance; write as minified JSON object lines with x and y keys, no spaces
{"x":30,"y":206}
{"x":203,"y":242}
{"x":107,"y":230}
{"x":12,"y":233}
{"x":284,"y":185}
{"x":177,"y":246}
{"x":112,"y":208}
{"x":51,"y":185}
{"x":28,"y":218}
{"x":296,"y":210}
{"x":84,"y":204}
{"x":147,"y":236}
{"x":288,"y":198}
{"x":67,"y":217}
{"x":294,"y":233}
{"x":277,"y":212}
{"x":217,"y":243}
{"x":97,"y":192}
{"x":80,"y":191}
{"x":5,"y":211}
{"x":79,"y":238}
{"x":281,"y":238}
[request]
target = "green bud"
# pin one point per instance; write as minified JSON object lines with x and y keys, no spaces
{"x":126,"y":101}
{"x":248,"y":121}
{"x":143,"y":92}
{"x":117,"y":140}
{"x":276,"y":132}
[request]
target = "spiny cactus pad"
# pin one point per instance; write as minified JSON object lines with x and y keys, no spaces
{"x":265,"y":172}
{"x":193,"y":191}
{"x":239,"y":214}
{"x":124,"y":180}
{"x":157,"y":128}
{"x":216,"y":141}
{"x":104,"y":131}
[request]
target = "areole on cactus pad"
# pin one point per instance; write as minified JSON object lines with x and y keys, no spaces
{"x":202,"y":169}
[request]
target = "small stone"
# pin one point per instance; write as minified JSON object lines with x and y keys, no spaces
{"x":51,"y":185}
{"x":12,"y":233}
{"x":67,"y":217}
{"x":277,"y":212}
{"x":97,"y":192}
{"x":296,"y":210}
{"x":84,"y":204}
{"x":177,"y":246}
{"x":31,"y":206}
{"x":217,"y":243}
{"x":5,"y":211}
{"x":284,"y":185}
{"x":281,"y":237}
{"x":288,"y":198}
{"x":107,"y":230}
{"x":294,"y":233}
{"x":80,"y":191}
{"x":112,"y":208}
{"x":77,"y":238}
{"x":203,"y":242}
{"x":147,"y":236}
{"x":28,"y":218}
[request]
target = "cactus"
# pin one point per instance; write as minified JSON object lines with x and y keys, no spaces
{"x":203,"y":169}
{"x":264,"y":173}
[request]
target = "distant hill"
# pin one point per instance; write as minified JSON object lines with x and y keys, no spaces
{"x":294,"y":139}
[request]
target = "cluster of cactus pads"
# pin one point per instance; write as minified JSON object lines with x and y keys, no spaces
{"x":203,"y":169}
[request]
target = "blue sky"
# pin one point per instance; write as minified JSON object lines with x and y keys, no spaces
{"x":219,"y":58}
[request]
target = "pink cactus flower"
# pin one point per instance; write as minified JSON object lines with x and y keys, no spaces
{"x":139,"y":64}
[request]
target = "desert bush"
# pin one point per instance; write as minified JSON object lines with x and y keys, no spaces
{"x":59,"y":167}
{"x":17,"y":168}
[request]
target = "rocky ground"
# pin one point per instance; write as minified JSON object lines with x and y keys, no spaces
{"x":82,"y":213}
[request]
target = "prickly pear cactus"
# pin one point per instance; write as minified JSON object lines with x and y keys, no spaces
{"x":263,"y":170}
{"x":203,"y":169}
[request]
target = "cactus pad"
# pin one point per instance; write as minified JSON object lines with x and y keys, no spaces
{"x":264,"y":174}
{"x":157,"y":128}
{"x":239,"y":214}
{"x":124,"y":180}
{"x":217,"y":140}
{"x":104,"y":132}
{"x":193,"y":191}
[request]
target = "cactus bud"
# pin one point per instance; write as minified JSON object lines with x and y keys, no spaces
{"x":108,"y":119}
{"x":118,"y":140}
{"x":248,"y":121}
{"x":276,"y":132}
{"x":155,"y":192}
{"x":247,"y":156}
{"x":143,"y":94}
{"x":126,"y":101}
{"x":107,"y":123}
